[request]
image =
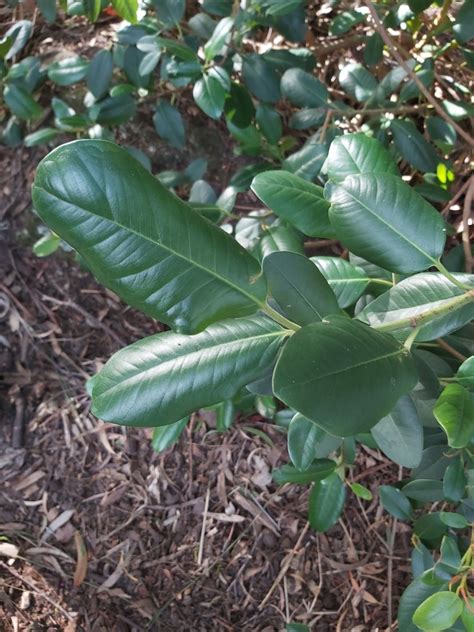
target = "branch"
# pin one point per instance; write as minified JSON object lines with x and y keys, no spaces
{"x":379,"y":27}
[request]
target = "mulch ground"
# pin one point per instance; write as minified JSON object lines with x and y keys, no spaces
{"x":109,"y":535}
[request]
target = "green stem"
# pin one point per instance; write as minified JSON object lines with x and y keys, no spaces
{"x":451,"y":277}
{"x":424,"y":317}
{"x":411,"y":338}
{"x":281,"y":320}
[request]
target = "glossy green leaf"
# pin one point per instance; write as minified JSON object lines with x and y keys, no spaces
{"x":454,"y":520}
{"x":299,"y":288}
{"x":303,"y":89}
{"x":294,"y":199}
{"x":400,"y":434}
{"x":378,"y":217}
{"x":302,"y":442}
{"x":413,"y":596}
{"x":99,"y":73}
{"x":342,"y":375}
{"x":454,"y":480}
{"x":142,"y":241}
{"x":209,"y":96}
{"x":238,"y":106}
{"x":416,"y":295}
{"x":317,"y":471}
{"x":434,"y":462}
{"x":161,"y":379}
{"x":424,"y":490}
{"x":269,"y":122}
{"x":438,"y":612}
{"x":454,"y":411}
{"x":326,"y":502}
{"x":202,"y":25}
{"x":165,"y":436}
{"x":261,"y":78}
{"x":169,"y":124}
{"x":68,"y":71}
{"x":465,"y":374}
{"x":21,"y":103}
{"x":48,"y":9}
{"x":169,"y":12}
{"x":354,"y":154}
{"x":115,"y":110}
{"x":277,"y":238}
{"x":19,"y":33}
{"x":463,"y":28}
{"x":307,"y":118}
{"x":345,"y":21}
{"x":373,"y":51}
{"x":41,"y":136}
{"x":218,"y":38}
{"x":347,"y":281}
{"x":395,"y":502}
{"x":358,"y":82}
{"x":413,"y":147}
{"x":307,"y":161}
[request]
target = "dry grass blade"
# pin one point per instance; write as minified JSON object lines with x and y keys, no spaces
{"x":80,"y":572}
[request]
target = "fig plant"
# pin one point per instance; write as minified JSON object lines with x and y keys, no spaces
{"x":372,"y":349}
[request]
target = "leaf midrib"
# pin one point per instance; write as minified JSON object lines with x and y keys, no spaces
{"x":159,"y":244}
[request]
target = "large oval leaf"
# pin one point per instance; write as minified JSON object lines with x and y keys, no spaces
{"x":413,"y":297}
{"x":347,"y":281}
{"x":353,"y":154}
{"x":299,"y":288}
{"x":143,"y":242}
{"x":416,"y":593}
{"x":439,"y":611}
{"x":326,"y":502}
{"x":454,"y":411}
{"x":400,"y":434}
{"x":161,"y":379}
{"x":296,"y":200}
{"x":380,"y":218}
{"x":413,"y":147}
{"x":343,"y":375}
{"x":303,"y":89}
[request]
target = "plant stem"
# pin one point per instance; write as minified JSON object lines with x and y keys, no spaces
{"x":425,"y":317}
{"x":281,"y":320}
{"x":411,"y":338}
{"x":451,"y":277}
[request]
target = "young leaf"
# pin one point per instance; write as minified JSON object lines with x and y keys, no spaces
{"x":169,"y":124}
{"x":416,"y":295}
{"x":219,"y":37}
{"x":347,"y":281}
{"x":438,"y":612}
{"x":304,"y":90}
{"x":395,"y":502}
{"x":326,"y":502}
{"x":161,"y":379}
{"x":354,"y":154}
{"x":342,"y":375}
{"x":361,"y":491}
{"x":99,"y":73}
{"x":209,"y":96}
{"x":378,"y":217}
{"x":400,"y":434}
{"x":302,"y":442}
{"x":142,"y":241}
{"x":127,"y":9}
{"x":294,"y":199}
{"x":165,"y":436}
{"x":299,"y":288}
{"x":454,"y":411}
{"x":317,"y":471}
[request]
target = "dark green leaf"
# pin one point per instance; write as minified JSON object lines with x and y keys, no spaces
{"x":21,"y":103}
{"x":160,"y":379}
{"x":299,"y":288}
{"x":342,"y":375}
{"x":269,"y":122}
{"x":19,"y":33}
{"x":163,"y":257}
{"x":413,"y":147}
{"x":358,"y":82}
{"x":465,"y":374}
{"x":169,"y":124}
{"x":302,"y":442}
{"x":454,"y":520}
{"x":165,"y":436}
{"x":463,"y":28}
{"x":115,"y":110}
{"x":209,"y":96}
{"x":317,"y":471}
{"x":261,"y":78}
{"x":238,"y":107}
{"x":424,"y":490}
{"x":277,"y":238}
{"x":295,"y":200}
{"x":326,"y":502}
{"x":345,"y":21}
{"x":354,"y":154}
{"x":169,"y":12}
{"x":430,"y":528}
{"x":416,"y":295}
{"x":44,"y":135}
{"x":454,"y":480}
{"x":378,"y":217}
{"x":219,"y":37}
{"x":400,"y":434}
{"x":48,"y":9}
{"x":414,"y":595}
{"x":434,"y":462}
{"x":307,"y":118}
{"x":68,"y":71}
{"x":303,"y":89}
{"x":395,"y":502}
{"x":308,"y":161}
{"x":92,"y":9}
{"x":99,"y":73}
{"x":373,"y":51}
{"x":454,"y":411}
{"x":347,"y":281}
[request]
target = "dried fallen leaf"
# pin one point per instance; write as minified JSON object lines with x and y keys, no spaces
{"x":81,"y":563}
